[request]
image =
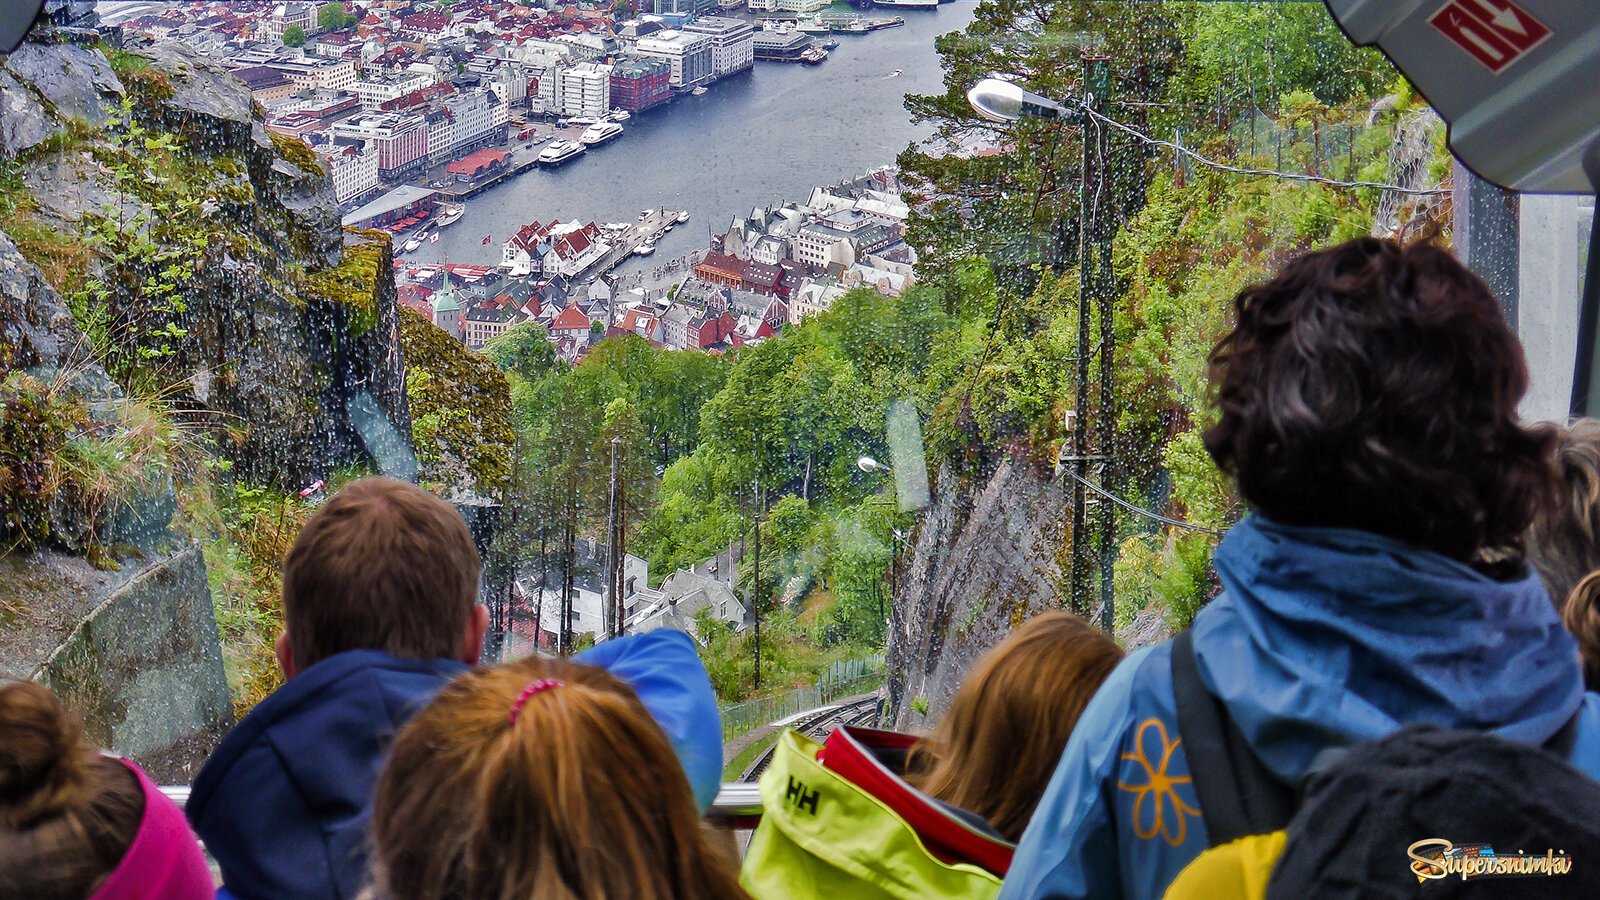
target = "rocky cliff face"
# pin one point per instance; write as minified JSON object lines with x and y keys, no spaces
{"x":988,"y":556}
{"x":283,"y":322}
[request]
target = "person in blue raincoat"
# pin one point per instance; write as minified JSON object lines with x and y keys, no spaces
{"x":1367,"y":403}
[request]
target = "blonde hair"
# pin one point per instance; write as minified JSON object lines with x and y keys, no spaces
{"x":67,"y":814}
{"x":1581,"y":615}
{"x":995,"y":749}
{"x":1564,"y":540}
{"x":578,"y":795}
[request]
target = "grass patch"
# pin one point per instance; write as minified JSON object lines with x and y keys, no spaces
{"x":743,"y":759}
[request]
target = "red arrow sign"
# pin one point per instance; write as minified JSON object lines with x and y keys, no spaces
{"x":1496,"y":33}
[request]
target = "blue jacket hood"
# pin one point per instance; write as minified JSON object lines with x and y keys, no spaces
{"x":284,"y":802}
{"x":1330,"y":637}
{"x":663,"y":667}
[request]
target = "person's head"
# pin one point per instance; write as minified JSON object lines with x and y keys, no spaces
{"x":1375,"y":387}
{"x":540,"y":778}
{"x":995,"y":749}
{"x":383,"y":565}
{"x":1581,"y":614}
{"x":75,"y":824}
{"x":1564,"y":542}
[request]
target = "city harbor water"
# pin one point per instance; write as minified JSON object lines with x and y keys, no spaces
{"x":752,"y":140}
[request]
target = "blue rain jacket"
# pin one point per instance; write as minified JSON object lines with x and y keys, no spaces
{"x":284,"y":802}
{"x":1322,"y":637}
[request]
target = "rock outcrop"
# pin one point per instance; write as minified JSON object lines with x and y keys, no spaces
{"x":277,"y":361}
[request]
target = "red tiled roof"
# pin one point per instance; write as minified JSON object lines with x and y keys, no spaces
{"x":570,"y":319}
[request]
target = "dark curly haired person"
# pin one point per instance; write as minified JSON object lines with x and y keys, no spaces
{"x":1366,"y":401}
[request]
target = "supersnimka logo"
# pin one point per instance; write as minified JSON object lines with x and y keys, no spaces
{"x":1436,"y":858}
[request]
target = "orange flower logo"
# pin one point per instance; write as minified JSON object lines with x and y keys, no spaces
{"x":1159,"y":789}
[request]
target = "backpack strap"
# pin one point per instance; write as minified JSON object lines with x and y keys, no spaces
{"x":1561,"y":742}
{"x":1238,"y":794}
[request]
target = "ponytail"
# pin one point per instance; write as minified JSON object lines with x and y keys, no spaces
{"x":67,"y":814}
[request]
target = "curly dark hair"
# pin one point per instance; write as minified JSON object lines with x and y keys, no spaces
{"x":1375,"y":386}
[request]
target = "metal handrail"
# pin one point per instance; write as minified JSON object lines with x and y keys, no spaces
{"x":737,"y":802}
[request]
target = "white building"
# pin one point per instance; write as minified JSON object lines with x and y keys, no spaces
{"x":354,"y":168}
{"x":830,"y":240}
{"x":814,"y":297}
{"x":586,"y":46}
{"x":792,"y":6}
{"x":691,"y":55}
{"x":680,"y":597}
{"x":315,"y":73}
{"x":286,"y":14}
{"x":588,"y":594}
{"x":586,"y":90}
{"x":374,"y":92}
{"x":733,"y":46}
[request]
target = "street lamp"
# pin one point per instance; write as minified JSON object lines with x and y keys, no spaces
{"x":1003,"y":101}
{"x":869,"y":465}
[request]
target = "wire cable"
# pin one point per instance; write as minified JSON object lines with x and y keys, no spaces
{"x":1136,"y":509}
{"x":1238,"y":170}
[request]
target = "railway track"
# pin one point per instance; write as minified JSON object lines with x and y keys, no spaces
{"x":819,"y":725}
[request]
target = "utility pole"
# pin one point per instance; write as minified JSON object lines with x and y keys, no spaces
{"x":755,"y":592}
{"x":1092,"y":243}
{"x":1096,"y":262}
{"x":613,"y":610}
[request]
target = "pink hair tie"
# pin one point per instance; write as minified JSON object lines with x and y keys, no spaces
{"x":534,"y":687}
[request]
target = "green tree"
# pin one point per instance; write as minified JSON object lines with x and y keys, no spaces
{"x":332,"y":16}
{"x":294,"y":36}
{"x":523,"y":350}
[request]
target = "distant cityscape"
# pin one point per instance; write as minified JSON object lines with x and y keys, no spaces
{"x":414,"y":108}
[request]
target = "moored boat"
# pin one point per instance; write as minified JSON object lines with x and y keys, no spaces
{"x":452,"y":214}
{"x":560,"y":152}
{"x":644,"y":249}
{"x":600,"y":133}
{"x":683,"y":217}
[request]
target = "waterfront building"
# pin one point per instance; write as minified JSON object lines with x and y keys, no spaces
{"x":631,"y":31}
{"x":781,"y":46}
{"x":690,"y":8}
{"x":640,"y":82}
{"x":798,"y":7}
{"x":353,"y":166}
{"x":586,"y":90}
{"x":479,"y":164}
{"x":402,"y":141}
{"x":719,"y":268}
{"x":690,"y":55}
{"x":732,"y":43}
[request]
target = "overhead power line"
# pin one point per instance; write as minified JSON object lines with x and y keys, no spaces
{"x":1137,"y":509}
{"x":1269,"y":173}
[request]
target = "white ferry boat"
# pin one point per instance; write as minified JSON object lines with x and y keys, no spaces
{"x":699,"y":91}
{"x":560,"y":152}
{"x":584,"y":121}
{"x":644,"y":249}
{"x":620,"y":115}
{"x":600,"y":133}
{"x":683,"y":217}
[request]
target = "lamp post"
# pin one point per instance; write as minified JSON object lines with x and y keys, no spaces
{"x":1003,"y":101}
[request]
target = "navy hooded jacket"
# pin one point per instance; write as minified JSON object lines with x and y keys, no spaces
{"x":1323,"y":638}
{"x":285,"y":801}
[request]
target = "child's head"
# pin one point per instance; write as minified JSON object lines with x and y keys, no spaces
{"x":997,"y":746}
{"x":1581,"y":613}
{"x":383,"y":565}
{"x":75,"y":824}
{"x":540,"y":778}
{"x":1564,"y":541}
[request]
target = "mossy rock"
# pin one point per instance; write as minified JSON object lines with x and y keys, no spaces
{"x":354,"y":282}
{"x":296,"y":151}
{"x":462,"y":422}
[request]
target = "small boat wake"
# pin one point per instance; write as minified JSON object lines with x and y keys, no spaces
{"x":894,"y":74}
